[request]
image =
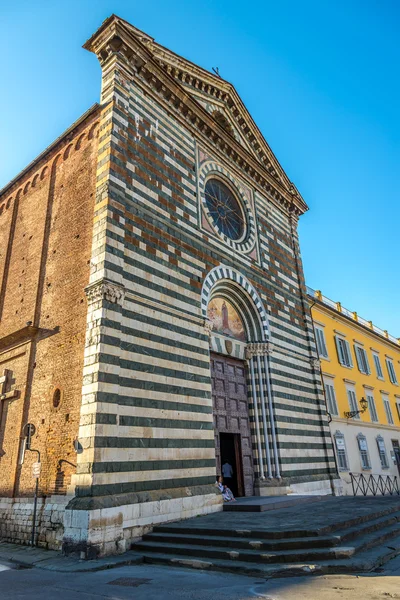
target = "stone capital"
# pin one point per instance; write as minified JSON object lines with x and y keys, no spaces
{"x":105,"y":290}
{"x":258,"y":349}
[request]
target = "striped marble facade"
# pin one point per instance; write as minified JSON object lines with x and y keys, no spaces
{"x":147,"y":425}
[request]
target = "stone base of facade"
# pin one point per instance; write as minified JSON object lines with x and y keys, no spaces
{"x":16,"y":516}
{"x":97,"y":531}
{"x":283,"y":487}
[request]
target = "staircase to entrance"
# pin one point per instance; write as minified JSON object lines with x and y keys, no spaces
{"x":331,"y":535}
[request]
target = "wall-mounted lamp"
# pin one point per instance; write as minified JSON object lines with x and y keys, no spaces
{"x":353,"y":413}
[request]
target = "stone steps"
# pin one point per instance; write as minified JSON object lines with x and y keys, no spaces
{"x":339,"y":547}
{"x":365,"y":561}
{"x":221,"y":529}
{"x":252,"y":555}
{"x":165,"y":535}
{"x":245,"y":543}
{"x":377,"y":519}
{"x":229,"y":553}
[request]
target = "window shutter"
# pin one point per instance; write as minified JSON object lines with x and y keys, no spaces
{"x":388,"y":365}
{"x":372,"y":408}
{"x":391,"y":371}
{"x":353,"y":402}
{"x":368,"y":367}
{"x":359,"y":359}
{"x":363,"y":448}
{"x":339,"y":350}
{"x":341,"y":452}
{"x":382,"y":452}
{"x":331,"y":399}
{"x":378,"y":366}
{"x":364,"y":355}
{"x":349,"y":362}
{"x":388,"y":411}
{"x":321,"y":346}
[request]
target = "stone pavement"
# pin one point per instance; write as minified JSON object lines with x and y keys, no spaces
{"x":141,"y":582}
{"x":50,"y":560}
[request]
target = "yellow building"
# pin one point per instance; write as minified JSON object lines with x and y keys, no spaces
{"x":359,"y":362}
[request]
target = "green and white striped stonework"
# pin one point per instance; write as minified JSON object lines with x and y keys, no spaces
{"x":146,"y":424}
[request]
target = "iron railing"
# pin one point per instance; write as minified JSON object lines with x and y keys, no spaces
{"x":375,"y":484}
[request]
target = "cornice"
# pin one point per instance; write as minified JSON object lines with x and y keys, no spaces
{"x":360,"y":424}
{"x":352,"y":323}
{"x":69,"y":133}
{"x":115,"y":40}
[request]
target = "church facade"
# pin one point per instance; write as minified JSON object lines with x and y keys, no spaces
{"x":194,"y":345}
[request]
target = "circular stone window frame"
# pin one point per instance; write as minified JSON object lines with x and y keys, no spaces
{"x":239,"y":202}
{"x":247,"y":241}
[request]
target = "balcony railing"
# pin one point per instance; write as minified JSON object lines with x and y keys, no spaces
{"x":374,"y":485}
{"x":352,"y":315}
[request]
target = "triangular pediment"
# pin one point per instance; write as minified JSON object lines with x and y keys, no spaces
{"x":215,"y":95}
{"x":208,"y":91}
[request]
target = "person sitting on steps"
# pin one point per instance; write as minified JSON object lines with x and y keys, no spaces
{"x":225,"y":491}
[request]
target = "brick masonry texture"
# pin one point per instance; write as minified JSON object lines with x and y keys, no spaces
{"x":46,"y":236}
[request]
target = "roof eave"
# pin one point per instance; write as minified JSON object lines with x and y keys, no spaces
{"x":38,"y":158}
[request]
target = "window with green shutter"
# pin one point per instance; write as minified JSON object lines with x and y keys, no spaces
{"x":391,"y":371}
{"x":331,"y":398}
{"x":341,"y":453}
{"x":362,"y":360}
{"x":378,"y":366}
{"x":382,"y":452}
{"x":351,"y":395}
{"x":372,"y":408}
{"x":363,"y":448}
{"x":320,"y":339}
{"x":344,"y":352}
{"x":388,"y":410}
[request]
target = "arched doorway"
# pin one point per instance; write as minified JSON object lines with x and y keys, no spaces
{"x":244,"y":422}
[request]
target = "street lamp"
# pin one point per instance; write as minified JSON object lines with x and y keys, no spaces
{"x":353,"y":413}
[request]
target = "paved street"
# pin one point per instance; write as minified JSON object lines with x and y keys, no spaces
{"x":158,"y":583}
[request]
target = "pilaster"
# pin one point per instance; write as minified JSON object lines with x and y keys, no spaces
{"x":105,"y":301}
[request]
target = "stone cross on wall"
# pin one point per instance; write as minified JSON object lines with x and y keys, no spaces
{"x":6,"y":379}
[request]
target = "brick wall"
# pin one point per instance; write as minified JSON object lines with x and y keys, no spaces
{"x":46,"y":227}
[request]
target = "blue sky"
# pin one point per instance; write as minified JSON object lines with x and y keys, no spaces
{"x":321,"y":79}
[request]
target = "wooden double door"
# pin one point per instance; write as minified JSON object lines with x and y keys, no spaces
{"x":231,"y":422}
